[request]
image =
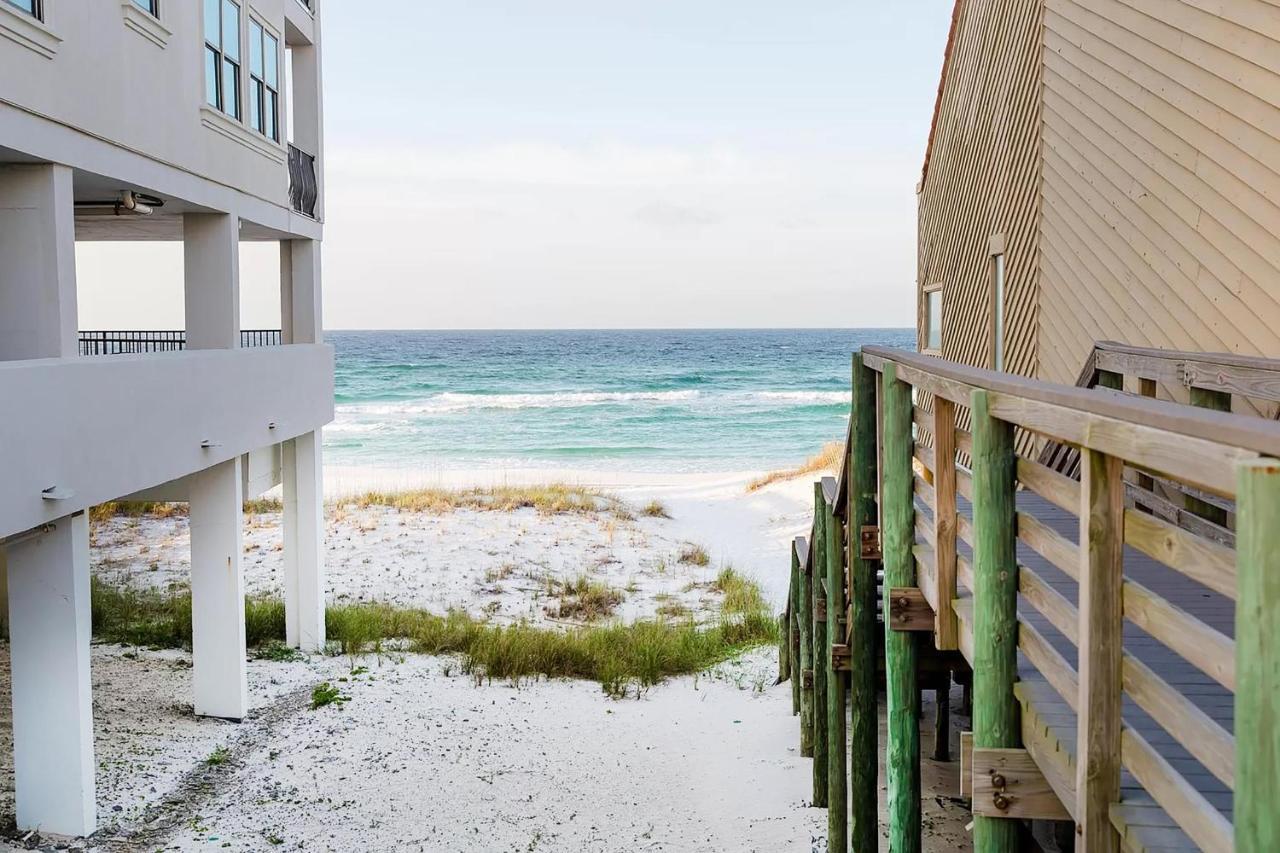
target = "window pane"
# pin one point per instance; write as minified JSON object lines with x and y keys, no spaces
{"x":231,"y":30}
{"x":255,"y":48}
{"x":999,"y":306}
{"x":933,"y":308}
{"x":148,"y":6}
{"x":211,"y":20}
{"x":231,"y":88}
{"x":211,"y":76}
{"x":272,"y":48}
{"x":255,"y":108}
{"x":272,"y":122}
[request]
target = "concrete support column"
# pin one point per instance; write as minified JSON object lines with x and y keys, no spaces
{"x":211,"y":279}
{"x":304,"y":576}
{"x":219,"y":673}
{"x":211,"y":257}
{"x":49,"y":629}
{"x":37,"y":263}
{"x":304,"y":583}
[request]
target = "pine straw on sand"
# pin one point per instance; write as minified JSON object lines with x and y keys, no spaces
{"x":826,"y":461}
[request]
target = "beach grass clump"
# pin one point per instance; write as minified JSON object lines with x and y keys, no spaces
{"x":825,"y":461}
{"x":622,"y":658}
{"x":694,"y":555}
{"x":551,"y":499}
{"x":327,"y":694}
{"x":742,"y":595}
{"x":586,"y":600}
{"x":655,"y":509}
{"x":170,"y":509}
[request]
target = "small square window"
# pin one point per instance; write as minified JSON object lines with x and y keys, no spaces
{"x":151,"y":7}
{"x":933,"y":319}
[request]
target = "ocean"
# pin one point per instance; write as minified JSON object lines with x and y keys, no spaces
{"x":646,"y":401}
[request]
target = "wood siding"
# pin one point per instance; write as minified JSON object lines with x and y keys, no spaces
{"x":1161,"y":177}
{"x":982,"y":180}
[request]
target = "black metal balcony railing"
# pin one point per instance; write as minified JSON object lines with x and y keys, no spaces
{"x":302,"y":181}
{"x":168,"y":340}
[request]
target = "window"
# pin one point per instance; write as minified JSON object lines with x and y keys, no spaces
{"x":151,"y":7}
{"x":222,"y":55}
{"x":264,"y":81}
{"x":933,"y":319}
{"x":31,"y":7}
{"x":998,"y":314}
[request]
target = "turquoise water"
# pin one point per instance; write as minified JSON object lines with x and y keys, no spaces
{"x":702,"y":400}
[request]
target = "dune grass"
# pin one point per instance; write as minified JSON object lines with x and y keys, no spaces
{"x":623,"y":659}
{"x":655,"y":509}
{"x":694,"y":555}
{"x":825,"y":461}
{"x":162,"y":509}
{"x":585,"y":599}
{"x":552,"y":499}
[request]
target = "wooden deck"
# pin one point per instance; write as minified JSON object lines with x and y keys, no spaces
{"x":1108,"y":686}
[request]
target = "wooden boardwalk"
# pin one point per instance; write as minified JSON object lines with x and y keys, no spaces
{"x":1109,"y":686}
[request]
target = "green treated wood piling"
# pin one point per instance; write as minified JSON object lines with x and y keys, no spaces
{"x":995,"y":611}
{"x":863,"y":722}
{"x":897,"y":513}
{"x":837,"y":755}
{"x":805,"y":620}
{"x":1257,"y":731}
{"x":793,"y":631}
{"x":821,"y":648}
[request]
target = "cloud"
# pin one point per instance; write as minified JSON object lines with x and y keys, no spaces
{"x":674,"y":216}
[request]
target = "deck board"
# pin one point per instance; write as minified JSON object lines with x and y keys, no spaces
{"x":1142,"y":823}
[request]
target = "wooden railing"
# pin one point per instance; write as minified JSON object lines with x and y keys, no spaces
{"x":1125,"y":668}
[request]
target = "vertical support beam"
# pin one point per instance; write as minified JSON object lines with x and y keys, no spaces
{"x":864,"y":833}
{"x":303,"y":530}
{"x":793,"y":631}
{"x":821,"y":647}
{"x":211,"y":279}
{"x":897,"y":513}
{"x":38,"y":256}
{"x":1146,"y":388}
{"x":942,"y":722}
{"x":49,"y":627}
{"x":784,"y":648}
{"x":1218,"y":401}
{"x":995,"y":629}
{"x":302,"y":468}
{"x":946,"y":629}
{"x":1100,"y":649}
{"x":805,"y":620}
{"x":837,"y":757}
{"x":1257,"y":822}
{"x":219,"y":675}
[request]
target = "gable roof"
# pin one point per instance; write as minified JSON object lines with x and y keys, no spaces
{"x":942,"y":82}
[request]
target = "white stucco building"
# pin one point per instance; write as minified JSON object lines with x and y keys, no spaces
{"x":185,"y":120}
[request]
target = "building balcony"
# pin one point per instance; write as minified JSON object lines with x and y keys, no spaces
{"x":81,"y":431}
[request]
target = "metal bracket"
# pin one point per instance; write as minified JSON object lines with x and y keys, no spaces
{"x":820,"y":610}
{"x":1186,"y":375}
{"x":806,"y":679}
{"x":869,"y":543}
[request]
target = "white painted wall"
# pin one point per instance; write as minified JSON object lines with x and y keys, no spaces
{"x":101,"y":66}
{"x":106,"y":427}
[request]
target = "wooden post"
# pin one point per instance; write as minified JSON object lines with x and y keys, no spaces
{"x":821,"y":647}
{"x":793,"y":630}
{"x":995,"y":616}
{"x":837,"y":757}
{"x":946,"y":629}
{"x":1257,"y":822}
{"x":1218,"y":401}
{"x":784,"y":647}
{"x":897,"y":513}
{"x":863,"y":716}
{"x":1101,"y":648}
{"x":806,"y":657}
{"x":942,"y":722}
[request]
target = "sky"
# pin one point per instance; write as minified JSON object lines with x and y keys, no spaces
{"x":597,"y":164}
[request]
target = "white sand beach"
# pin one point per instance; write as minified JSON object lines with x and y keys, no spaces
{"x":424,"y":757}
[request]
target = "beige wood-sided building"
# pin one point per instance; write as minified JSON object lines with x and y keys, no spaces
{"x":1102,"y":170}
